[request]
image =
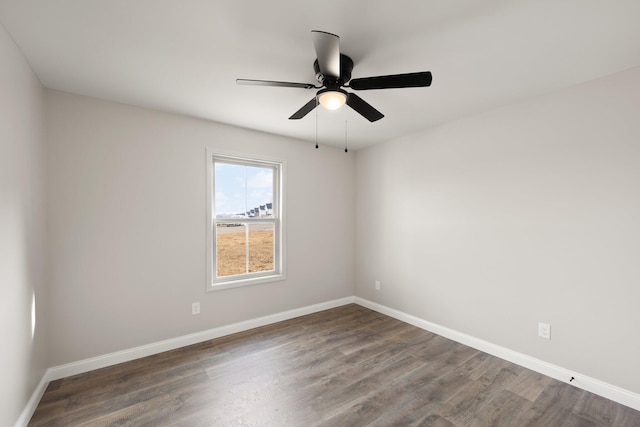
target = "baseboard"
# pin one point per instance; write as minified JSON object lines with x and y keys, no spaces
{"x":110,"y":359}
{"x":609,"y":391}
{"x":32,"y":404}
{"x":86,"y":365}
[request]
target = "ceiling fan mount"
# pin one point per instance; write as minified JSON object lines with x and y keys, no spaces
{"x":346,"y":67}
{"x":333,"y":72}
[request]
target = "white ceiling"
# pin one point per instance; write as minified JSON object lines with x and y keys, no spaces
{"x":183,"y":56}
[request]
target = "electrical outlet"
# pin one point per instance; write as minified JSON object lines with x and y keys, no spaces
{"x":544,"y":330}
{"x":195,"y":308}
{"x":377,"y":285}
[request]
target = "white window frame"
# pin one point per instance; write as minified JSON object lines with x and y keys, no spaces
{"x":215,"y":283}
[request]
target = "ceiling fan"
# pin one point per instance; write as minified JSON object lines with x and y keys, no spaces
{"x":333,"y":72}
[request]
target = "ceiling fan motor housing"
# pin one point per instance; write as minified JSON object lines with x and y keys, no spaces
{"x":330,"y":82}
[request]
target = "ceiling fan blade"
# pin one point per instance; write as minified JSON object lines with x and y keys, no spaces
{"x":328,"y":52}
{"x":249,"y":82}
{"x":363,"y":107}
{"x":306,"y":109}
{"x":394,"y":81}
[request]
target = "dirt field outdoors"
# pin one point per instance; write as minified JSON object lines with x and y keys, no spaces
{"x":231,"y":250}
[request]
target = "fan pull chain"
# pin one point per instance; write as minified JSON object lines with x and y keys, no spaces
{"x":316,"y":122}
{"x":345,"y":137}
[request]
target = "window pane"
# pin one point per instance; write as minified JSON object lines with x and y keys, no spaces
{"x":231,"y":249}
{"x":259,"y":191}
{"x":261,"y":247}
{"x":230,"y":191}
{"x":243,"y":191}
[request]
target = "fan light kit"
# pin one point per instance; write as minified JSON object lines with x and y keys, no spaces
{"x":332,"y":99}
{"x":333,"y":72}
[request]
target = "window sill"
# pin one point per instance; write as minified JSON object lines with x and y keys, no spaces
{"x":220,"y":286}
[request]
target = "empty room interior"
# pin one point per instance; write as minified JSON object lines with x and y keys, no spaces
{"x":457,"y":243}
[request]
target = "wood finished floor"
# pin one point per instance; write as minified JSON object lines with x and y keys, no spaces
{"x":348,"y":366}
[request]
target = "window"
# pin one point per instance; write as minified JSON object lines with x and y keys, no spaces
{"x":245,"y":221}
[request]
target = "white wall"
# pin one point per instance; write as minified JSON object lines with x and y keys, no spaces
{"x":23,"y":356}
{"x":127,"y":224}
{"x":528,"y":213}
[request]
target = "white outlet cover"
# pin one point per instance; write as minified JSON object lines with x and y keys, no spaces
{"x":544,"y":330}
{"x":195,"y":308}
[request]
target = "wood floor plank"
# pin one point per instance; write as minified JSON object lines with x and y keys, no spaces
{"x":555,"y":404}
{"x":497,"y":372}
{"x":596,"y":408}
{"x":529,"y":384}
{"x":627,"y":417}
{"x":462,"y":408}
{"x":347,"y":366}
{"x":375,"y":406}
{"x":434,"y":420}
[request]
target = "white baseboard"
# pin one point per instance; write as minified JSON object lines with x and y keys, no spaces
{"x":86,"y":365}
{"x":609,"y":391}
{"x":32,"y":404}
{"x":98,"y":362}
